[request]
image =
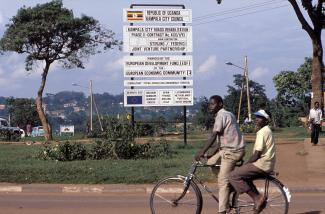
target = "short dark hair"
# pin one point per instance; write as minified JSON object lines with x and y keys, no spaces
{"x":316,"y":102}
{"x":217,"y":98}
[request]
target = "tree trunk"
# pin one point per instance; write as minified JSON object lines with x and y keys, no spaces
{"x":315,"y":13}
{"x":39,"y":105}
{"x":317,"y":72}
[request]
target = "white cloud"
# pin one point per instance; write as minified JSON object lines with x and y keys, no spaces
{"x":115,"y":65}
{"x":1,"y":19}
{"x":6,"y":82}
{"x":208,"y":66}
{"x":259,"y":72}
{"x":2,"y":79}
{"x":115,"y":68}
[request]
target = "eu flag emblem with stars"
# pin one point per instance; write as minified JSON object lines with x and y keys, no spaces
{"x":134,"y":100}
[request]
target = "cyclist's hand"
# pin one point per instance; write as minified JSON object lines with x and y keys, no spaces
{"x":198,"y":155}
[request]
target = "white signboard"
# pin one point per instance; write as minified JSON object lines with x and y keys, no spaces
{"x":158,"y":97}
{"x":155,"y":83}
{"x":157,"y":15}
{"x":158,"y":66}
{"x":67,"y":129}
{"x":172,"y":39}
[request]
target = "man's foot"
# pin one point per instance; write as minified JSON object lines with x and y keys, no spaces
{"x":314,"y":144}
{"x":260,"y":204}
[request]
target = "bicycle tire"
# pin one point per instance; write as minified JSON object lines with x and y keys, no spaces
{"x":277,"y":201}
{"x":166,"y":191}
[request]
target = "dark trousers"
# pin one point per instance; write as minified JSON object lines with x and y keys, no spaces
{"x":241,"y":177}
{"x":315,"y":129}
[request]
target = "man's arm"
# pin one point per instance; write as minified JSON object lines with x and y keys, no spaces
{"x":206,"y":146}
{"x":321,"y":116}
{"x":255,"y":156}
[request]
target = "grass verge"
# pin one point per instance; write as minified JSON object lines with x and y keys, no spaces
{"x":20,"y":165}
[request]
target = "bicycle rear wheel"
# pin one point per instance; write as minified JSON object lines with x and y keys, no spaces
{"x":277,"y":202}
{"x":170,"y":196}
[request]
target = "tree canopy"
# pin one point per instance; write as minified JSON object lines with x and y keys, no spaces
{"x":293,"y":93}
{"x":257,"y":96}
{"x":22,"y":112}
{"x":51,"y":33}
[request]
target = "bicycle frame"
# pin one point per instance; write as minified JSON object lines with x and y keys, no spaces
{"x":241,"y":203}
{"x":191,"y":177}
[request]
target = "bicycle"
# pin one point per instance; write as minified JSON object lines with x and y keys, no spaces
{"x":181,"y":194}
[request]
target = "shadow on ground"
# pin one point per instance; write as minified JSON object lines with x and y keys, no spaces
{"x":311,"y":212}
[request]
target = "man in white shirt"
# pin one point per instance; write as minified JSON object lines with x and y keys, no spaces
{"x":315,"y":120}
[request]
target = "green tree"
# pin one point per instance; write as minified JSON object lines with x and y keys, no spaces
{"x":203,"y":117}
{"x":257,"y":96}
{"x":22,"y":112}
{"x":293,"y":93}
{"x":50,"y":33}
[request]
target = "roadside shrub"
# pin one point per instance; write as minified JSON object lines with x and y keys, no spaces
{"x":158,"y":149}
{"x":129,"y":150}
{"x":118,"y":143}
{"x":247,"y":128}
{"x":4,"y":135}
{"x":9,"y":136}
{"x":106,"y":150}
{"x":115,"y":129}
{"x":144,"y":129}
{"x":64,"y":152}
{"x":102,"y":150}
{"x":143,"y":151}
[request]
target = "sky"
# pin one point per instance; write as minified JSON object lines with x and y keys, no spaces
{"x":266,"y":31}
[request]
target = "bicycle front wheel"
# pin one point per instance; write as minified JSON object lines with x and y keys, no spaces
{"x":170,"y":195}
{"x":277,"y":202}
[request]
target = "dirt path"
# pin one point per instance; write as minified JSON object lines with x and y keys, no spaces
{"x":301,"y":164}
{"x":291,"y":162}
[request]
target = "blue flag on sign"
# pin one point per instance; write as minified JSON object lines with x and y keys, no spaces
{"x":134,"y":100}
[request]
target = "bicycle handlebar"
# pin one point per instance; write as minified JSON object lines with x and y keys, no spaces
{"x":202,"y":164}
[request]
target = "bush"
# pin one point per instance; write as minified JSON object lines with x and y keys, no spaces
{"x":158,"y":149}
{"x":248,"y":128}
{"x":144,"y":129}
{"x":143,"y":151}
{"x":118,"y":143}
{"x":106,"y":150}
{"x":9,"y":136}
{"x":64,"y":152}
{"x":102,"y":150}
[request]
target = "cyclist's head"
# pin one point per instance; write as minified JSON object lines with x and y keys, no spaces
{"x":215,"y":104}
{"x":263,"y":117}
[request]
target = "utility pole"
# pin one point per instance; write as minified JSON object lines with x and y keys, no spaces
{"x":247,"y":89}
{"x":240,"y":98}
{"x":245,"y":83}
{"x":91,"y":104}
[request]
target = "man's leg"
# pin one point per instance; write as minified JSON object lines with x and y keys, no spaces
{"x":240,"y":175}
{"x":228,"y":161}
{"x":241,"y":179}
{"x":312,"y":134}
{"x":214,"y":160}
{"x":317,"y":130}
